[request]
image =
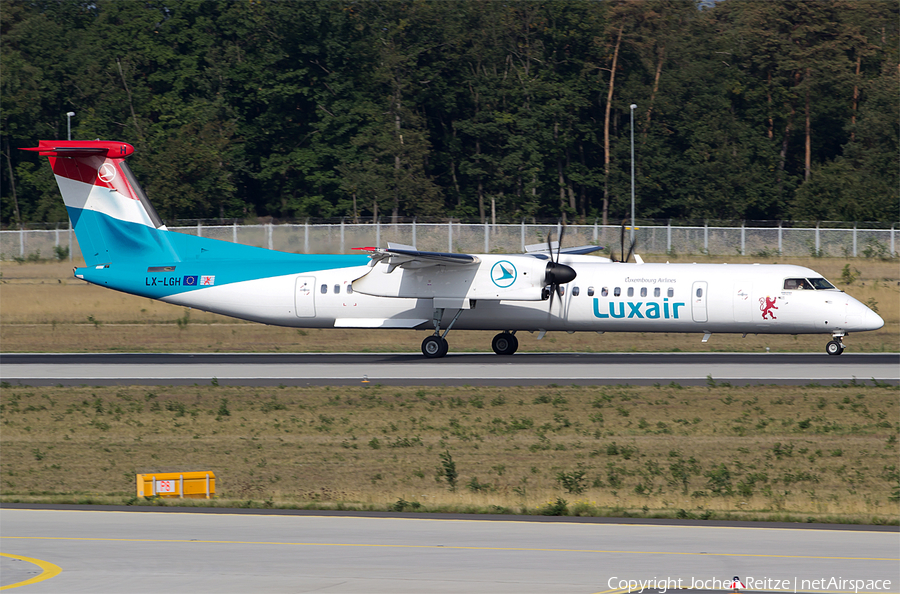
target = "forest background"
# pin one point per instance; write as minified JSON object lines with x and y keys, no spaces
{"x":746,"y":110}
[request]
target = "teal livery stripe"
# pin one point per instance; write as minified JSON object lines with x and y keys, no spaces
{"x":154,"y":263}
{"x":181,"y":277}
{"x":114,"y":240}
{"x":103,"y":239}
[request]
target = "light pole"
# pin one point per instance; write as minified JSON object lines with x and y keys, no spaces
{"x":633,"y":106}
{"x":69,"y":122}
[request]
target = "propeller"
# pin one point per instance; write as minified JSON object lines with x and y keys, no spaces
{"x":622,"y":243}
{"x":557,"y":274}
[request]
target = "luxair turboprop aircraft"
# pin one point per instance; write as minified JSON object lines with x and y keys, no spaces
{"x":126,"y":247}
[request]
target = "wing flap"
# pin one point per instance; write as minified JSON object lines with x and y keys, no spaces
{"x":378,"y":323}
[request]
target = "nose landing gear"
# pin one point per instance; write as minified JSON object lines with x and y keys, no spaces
{"x":835,"y":347}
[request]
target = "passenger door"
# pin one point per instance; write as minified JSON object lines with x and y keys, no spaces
{"x":305,"y":297}
{"x":698,"y":301}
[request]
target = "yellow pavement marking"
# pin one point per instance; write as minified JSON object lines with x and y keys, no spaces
{"x":452,"y":547}
{"x":49,"y":570}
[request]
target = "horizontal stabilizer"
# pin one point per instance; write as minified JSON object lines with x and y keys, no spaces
{"x":81,"y":148}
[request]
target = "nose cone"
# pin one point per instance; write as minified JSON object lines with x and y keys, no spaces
{"x":558,"y":274}
{"x":860,"y":318}
{"x":871,"y":320}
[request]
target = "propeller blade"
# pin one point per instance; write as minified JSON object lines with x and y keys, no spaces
{"x":556,"y":274}
{"x":562,"y":233}
{"x":548,"y":280}
{"x":630,"y":251}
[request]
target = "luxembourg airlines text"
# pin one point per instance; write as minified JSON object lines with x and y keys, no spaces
{"x":639,"y":309}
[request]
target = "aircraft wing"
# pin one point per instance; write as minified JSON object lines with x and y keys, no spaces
{"x":538,"y":248}
{"x":406,"y":256}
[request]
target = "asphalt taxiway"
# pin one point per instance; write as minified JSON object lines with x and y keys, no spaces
{"x":454,"y":369}
{"x":225,"y":551}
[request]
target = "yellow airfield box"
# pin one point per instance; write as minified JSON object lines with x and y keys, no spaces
{"x":195,"y":485}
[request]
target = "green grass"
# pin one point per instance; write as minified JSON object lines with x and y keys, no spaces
{"x":766,"y":452}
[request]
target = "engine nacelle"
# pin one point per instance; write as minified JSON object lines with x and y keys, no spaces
{"x":494,"y":277}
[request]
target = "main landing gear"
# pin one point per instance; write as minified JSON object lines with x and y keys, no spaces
{"x":436,"y":346}
{"x":505,"y":343}
{"x":835,"y":347}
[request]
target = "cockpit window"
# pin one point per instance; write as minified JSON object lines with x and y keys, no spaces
{"x":796,"y":284}
{"x":821,"y":283}
{"x":800,"y":284}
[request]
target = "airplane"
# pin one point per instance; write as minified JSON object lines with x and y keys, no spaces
{"x":127,"y":247}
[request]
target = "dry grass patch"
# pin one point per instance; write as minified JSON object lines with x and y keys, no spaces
{"x":765,"y":452}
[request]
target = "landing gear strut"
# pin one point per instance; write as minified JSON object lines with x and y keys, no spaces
{"x":505,"y":343}
{"x":835,"y":347}
{"x":436,"y":346}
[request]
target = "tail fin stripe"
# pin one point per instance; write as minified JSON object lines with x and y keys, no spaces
{"x":115,"y":204}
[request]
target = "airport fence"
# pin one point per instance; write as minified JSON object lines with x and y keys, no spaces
{"x":653,"y":239}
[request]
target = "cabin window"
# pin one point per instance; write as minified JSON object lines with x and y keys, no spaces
{"x":590,"y":291}
{"x":699,"y":292}
{"x":604,"y":292}
{"x":349,"y":289}
{"x":656,"y":291}
{"x":821,"y":283}
{"x":643,"y":291}
{"x":670,"y":292}
{"x":337,"y":289}
{"x":617,"y":292}
{"x":561,"y":290}
{"x":797,"y":284}
{"x":324,"y":289}
{"x":575,"y":291}
{"x":631,"y":291}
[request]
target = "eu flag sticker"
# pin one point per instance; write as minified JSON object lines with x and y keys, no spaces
{"x":190,"y":281}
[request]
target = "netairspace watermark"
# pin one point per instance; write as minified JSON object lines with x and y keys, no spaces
{"x":796,"y":584}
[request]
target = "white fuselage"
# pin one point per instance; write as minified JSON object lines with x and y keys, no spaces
{"x":605,"y":297}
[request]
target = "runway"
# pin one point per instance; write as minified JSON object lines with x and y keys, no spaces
{"x":454,"y":369}
{"x":137,"y":552}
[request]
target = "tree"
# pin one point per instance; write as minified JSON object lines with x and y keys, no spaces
{"x":462,"y":108}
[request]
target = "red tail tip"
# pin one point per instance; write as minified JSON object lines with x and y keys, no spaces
{"x":82,"y":148}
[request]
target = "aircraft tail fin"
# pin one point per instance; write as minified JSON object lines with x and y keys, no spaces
{"x":110,"y":213}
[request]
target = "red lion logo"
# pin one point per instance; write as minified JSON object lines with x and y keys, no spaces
{"x":766,"y":305}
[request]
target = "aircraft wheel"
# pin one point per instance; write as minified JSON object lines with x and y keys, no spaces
{"x":505,"y":344}
{"x":834,"y":347}
{"x":434,"y":347}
